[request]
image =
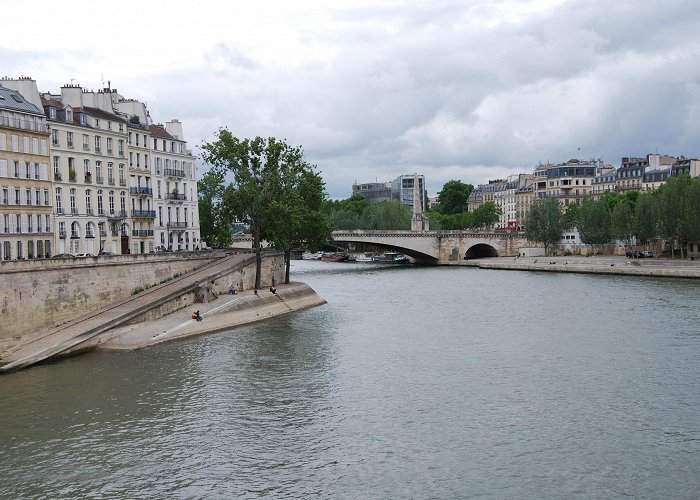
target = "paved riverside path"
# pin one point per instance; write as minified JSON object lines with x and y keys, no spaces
{"x":599,"y":264}
{"x":117,"y":313}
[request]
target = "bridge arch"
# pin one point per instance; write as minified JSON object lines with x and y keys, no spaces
{"x":480,"y":251}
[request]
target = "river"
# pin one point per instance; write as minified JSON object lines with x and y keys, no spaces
{"x":412,"y":382}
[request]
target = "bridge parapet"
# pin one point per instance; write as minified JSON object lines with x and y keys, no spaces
{"x":439,"y":246}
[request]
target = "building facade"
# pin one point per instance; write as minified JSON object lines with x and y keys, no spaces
{"x":26,"y":222}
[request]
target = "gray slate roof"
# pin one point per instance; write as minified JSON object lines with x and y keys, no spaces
{"x":14,"y":101}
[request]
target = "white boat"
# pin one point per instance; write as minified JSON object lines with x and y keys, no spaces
{"x":311,"y":256}
{"x":391,"y":258}
{"x":365,"y":257}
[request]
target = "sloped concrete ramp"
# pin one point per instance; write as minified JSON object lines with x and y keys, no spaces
{"x":76,"y":332}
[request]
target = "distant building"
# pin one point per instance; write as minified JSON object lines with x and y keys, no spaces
{"x":373,"y":192}
{"x":685,"y":166}
{"x":402,"y":190}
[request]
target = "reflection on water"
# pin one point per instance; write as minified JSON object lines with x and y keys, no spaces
{"x":410,"y":382}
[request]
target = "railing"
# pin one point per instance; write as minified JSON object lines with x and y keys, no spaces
{"x":89,"y":211}
{"x":141,"y":190}
{"x":117,"y":215}
{"x":177,"y":225}
{"x":99,"y":179}
{"x":86,"y":147}
{"x":175,"y":196}
{"x":72,"y":178}
{"x":62,"y":235}
{"x":74,"y":211}
{"x":110,"y":181}
{"x":150,"y":214}
{"x":98,"y":150}
{"x":57,"y":176}
{"x":171,"y":172}
{"x":88,"y":179}
{"x":109,"y":151}
{"x":59,"y":211}
{"x":142,"y":233}
{"x":122,"y":182}
{"x":23,"y":124}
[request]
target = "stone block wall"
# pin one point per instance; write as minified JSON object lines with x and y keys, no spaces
{"x":38,"y":295}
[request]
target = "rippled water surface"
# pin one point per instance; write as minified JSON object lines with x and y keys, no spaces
{"x":409,"y":383}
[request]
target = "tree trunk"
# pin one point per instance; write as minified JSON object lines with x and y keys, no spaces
{"x":287,"y":254}
{"x":258,"y":257}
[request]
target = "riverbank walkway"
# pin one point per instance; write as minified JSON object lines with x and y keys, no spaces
{"x":597,"y":264}
{"x":70,"y":335}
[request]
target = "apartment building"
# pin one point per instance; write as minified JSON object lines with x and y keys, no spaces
{"x":175,"y":196}
{"x":26,"y":229}
{"x":572,"y":182}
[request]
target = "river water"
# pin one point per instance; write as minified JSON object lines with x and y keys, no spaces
{"x":410,"y":383}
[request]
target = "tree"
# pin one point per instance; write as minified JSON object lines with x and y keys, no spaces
{"x":594,"y":222}
{"x":669,"y":210}
{"x":391,"y":215}
{"x":622,"y":222}
{"x":259,"y":167}
{"x":300,"y":219}
{"x":453,"y":197}
{"x":545,"y":222}
{"x":214,"y":220}
{"x":484,"y":216}
{"x":644,"y":221}
{"x":571,"y":216}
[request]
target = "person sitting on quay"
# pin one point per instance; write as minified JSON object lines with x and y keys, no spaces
{"x":232,"y":290}
{"x":273,"y":290}
{"x":197,"y":316}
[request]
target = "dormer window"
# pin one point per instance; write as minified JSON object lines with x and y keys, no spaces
{"x":83,"y":119}
{"x":97,"y":123}
{"x":69,"y":116}
{"x":52,"y":113}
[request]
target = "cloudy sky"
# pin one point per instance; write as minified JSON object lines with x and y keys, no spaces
{"x":465,"y":89}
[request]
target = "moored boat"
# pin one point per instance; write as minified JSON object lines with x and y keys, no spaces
{"x":390,"y":258}
{"x":334,"y":257}
{"x":364,"y":257}
{"x":311,"y":256}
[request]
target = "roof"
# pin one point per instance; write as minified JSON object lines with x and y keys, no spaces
{"x":13,"y":100}
{"x":98,"y":113}
{"x":159,"y":132}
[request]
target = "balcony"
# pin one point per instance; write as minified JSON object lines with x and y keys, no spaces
{"x":57,"y":176}
{"x":103,"y":232}
{"x":62,"y":235}
{"x":59,"y":211}
{"x":175,"y":196}
{"x":122,"y":182}
{"x":109,"y":151}
{"x":89,"y":211}
{"x":141,"y":191}
{"x":142,"y":233}
{"x":18,"y":123}
{"x":110,"y":181}
{"x":86,"y":147}
{"x":98,"y":150}
{"x":116,"y":215}
{"x":99,"y":179}
{"x":88,"y":178}
{"x":177,"y":225}
{"x":171,"y":172}
{"x":72,"y":177}
{"x":144,"y":214}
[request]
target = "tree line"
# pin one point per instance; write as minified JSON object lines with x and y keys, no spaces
{"x":671,"y":212}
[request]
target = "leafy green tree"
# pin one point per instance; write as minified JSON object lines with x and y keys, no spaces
{"x":300,"y":219}
{"x":571,"y":215}
{"x":622,"y":222}
{"x":594,"y":222}
{"x":669,"y":210}
{"x":259,"y":167}
{"x":644,"y":220}
{"x":391,"y":215}
{"x":453,"y":197}
{"x":545,"y":222}
{"x":484,"y":216}
{"x":214,"y":220}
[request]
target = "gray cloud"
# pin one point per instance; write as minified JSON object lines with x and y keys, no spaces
{"x":453,"y":90}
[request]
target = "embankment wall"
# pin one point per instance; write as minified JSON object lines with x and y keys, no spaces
{"x":39,"y":295}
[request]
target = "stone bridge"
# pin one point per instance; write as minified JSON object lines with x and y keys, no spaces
{"x":439,"y":247}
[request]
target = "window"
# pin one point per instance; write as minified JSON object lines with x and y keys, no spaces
{"x":73,"y":206}
{"x":97,"y":123}
{"x":86,"y":142}
{"x":109,"y":145}
{"x":69,"y":139}
{"x":52,"y":113}
{"x":122,"y":201}
{"x":69,"y":115}
{"x":98,"y":144}
{"x":100,"y":207}
{"x":111,"y":202}
{"x":121,"y":147}
{"x":59,"y":206}
{"x":54,"y":137}
{"x":88,"y":201}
